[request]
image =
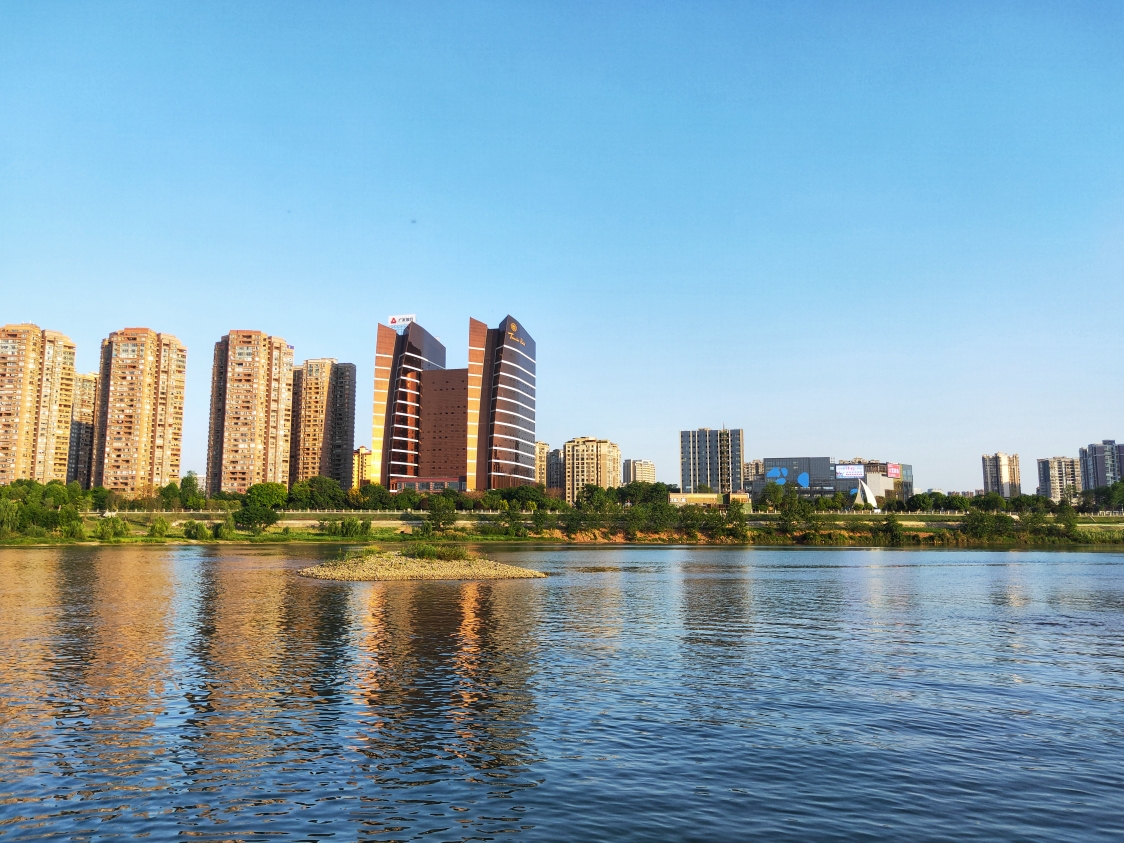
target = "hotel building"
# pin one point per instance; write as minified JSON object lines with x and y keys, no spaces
{"x":251,"y":412}
{"x":1001,"y":474}
{"x":471,"y":428}
{"x":80,"y":464}
{"x":590,"y":461}
{"x":639,"y":471}
{"x":323,"y":434}
{"x":138,"y":425}
{"x":36,"y":399}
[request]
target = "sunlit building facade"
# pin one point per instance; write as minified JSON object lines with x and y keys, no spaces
{"x":362,"y":467}
{"x":138,"y":426}
{"x":1059,"y":478}
{"x":542,"y":450}
{"x":589,"y":461}
{"x":323,"y":434}
{"x":638,"y":471}
{"x":251,"y":412}
{"x":502,"y":449}
{"x":36,"y":403}
{"x":1001,"y":474}
{"x":711,"y":459}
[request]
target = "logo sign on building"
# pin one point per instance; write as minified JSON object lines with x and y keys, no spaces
{"x":401,"y":321}
{"x":894,"y":470}
{"x":850,"y":472}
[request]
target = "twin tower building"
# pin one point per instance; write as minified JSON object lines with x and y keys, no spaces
{"x":432,"y":428}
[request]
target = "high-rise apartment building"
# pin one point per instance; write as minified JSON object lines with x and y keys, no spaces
{"x":1001,"y":474}
{"x":251,"y":412}
{"x":362,"y":467}
{"x":36,"y":403}
{"x":752,"y":470}
{"x":590,"y":461}
{"x":323,"y":435}
{"x":556,"y":470}
{"x":541,"y":451}
{"x":1102,"y":465}
{"x":1059,"y":477}
{"x":80,"y":464}
{"x":711,"y":458}
{"x":639,"y":471}
{"x":138,"y":425}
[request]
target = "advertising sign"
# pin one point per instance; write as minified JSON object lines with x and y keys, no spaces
{"x":894,"y":470}
{"x":401,"y":321}
{"x":850,"y":472}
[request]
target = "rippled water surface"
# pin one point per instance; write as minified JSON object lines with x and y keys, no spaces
{"x":636,"y":694}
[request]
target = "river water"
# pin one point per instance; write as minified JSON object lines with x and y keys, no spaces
{"x":636,"y":694}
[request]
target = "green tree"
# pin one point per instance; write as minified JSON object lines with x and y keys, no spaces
{"x":892,"y":531}
{"x":255,"y":517}
{"x":224,"y":529}
{"x":978,"y":524}
{"x":170,"y":496}
{"x":158,"y":529}
{"x":442,"y":514}
{"x":267,"y":495}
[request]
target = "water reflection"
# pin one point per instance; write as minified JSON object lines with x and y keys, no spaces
{"x":643,"y":693}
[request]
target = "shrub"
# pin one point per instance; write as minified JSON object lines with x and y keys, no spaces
{"x":34,"y":531}
{"x":224,"y":529}
{"x":349,"y":527}
{"x":74,"y":530}
{"x":446,"y":553}
{"x":196,"y":531}
{"x":111,"y":528}
{"x":158,"y":528}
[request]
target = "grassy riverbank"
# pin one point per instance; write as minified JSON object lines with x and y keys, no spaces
{"x":419,"y":562}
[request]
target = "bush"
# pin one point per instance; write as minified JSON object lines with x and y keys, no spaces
{"x":196,"y":531}
{"x":446,"y":553}
{"x":224,"y":529}
{"x":111,"y":528}
{"x":254,"y":517}
{"x":74,"y":530}
{"x":158,"y":528}
{"x":34,"y":531}
{"x":349,"y":527}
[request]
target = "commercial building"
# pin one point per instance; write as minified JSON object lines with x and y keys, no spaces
{"x":815,"y":477}
{"x":362,"y":467}
{"x":36,"y":403}
{"x":639,"y":471}
{"x":710,"y":458}
{"x":251,"y":412}
{"x":1059,"y":477}
{"x":80,"y":463}
{"x":1102,"y":465}
{"x":472,"y":428}
{"x":1001,"y":474}
{"x":541,"y":451}
{"x":503,"y":449}
{"x":323,"y":435}
{"x":556,"y":471}
{"x":752,"y":470}
{"x":138,"y":426}
{"x":588,"y":461}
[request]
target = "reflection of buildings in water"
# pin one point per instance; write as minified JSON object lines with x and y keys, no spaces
{"x":446,"y":669}
{"x":97,"y":625}
{"x":716,"y":606}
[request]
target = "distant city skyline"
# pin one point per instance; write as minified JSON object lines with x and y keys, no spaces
{"x":841,"y":229}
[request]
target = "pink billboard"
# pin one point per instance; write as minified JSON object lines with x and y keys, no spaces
{"x":894,"y":469}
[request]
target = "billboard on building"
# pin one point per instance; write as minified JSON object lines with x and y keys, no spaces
{"x":894,"y":470}
{"x":401,"y":321}
{"x":850,"y":472}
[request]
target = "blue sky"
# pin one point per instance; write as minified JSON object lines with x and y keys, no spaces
{"x":893,"y":230}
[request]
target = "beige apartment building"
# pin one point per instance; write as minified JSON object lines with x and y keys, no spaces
{"x":1001,"y":474}
{"x":542,"y":451}
{"x":1059,"y":477}
{"x":639,"y":471}
{"x":362,"y":467}
{"x":138,"y":427}
{"x":80,"y":465}
{"x":251,"y":412}
{"x":323,"y":421}
{"x":36,"y":398}
{"x":590,"y":461}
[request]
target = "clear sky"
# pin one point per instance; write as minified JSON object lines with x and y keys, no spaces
{"x":891,"y":230}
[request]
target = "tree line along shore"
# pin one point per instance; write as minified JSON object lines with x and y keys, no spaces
{"x":318,"y":510}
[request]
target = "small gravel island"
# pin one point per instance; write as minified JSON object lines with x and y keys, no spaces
{"x":422,"y":562}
